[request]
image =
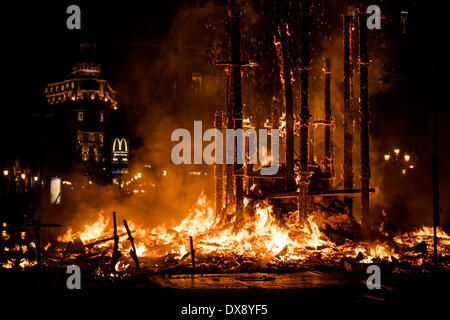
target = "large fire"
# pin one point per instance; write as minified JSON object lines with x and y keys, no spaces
{"x":261,"y":242}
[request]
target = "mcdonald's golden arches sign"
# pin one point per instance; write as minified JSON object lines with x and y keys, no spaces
{"x":120,"y":149}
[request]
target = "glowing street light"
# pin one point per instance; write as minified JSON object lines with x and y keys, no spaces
{"x":397,"y":151}
{"x":404,"y":171}
{"x":387,"y":157}
{"x":23,"y":176}
{"x":35,"y":179}
{"x":407,"y":157}
{"x":139,"y":175}
{"x":5,"y":172}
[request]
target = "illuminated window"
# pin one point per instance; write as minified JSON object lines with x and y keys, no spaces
{"x":101,"y":117}
{"x":196,"y":82}
{"x":100,"y":138}
{"x":91,"y":137}
{"x":80,"y":137}
{"x":80,"y":116}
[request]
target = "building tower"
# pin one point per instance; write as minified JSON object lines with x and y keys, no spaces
{"x":83,"y":105}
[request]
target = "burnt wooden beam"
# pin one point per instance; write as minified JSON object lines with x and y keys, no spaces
{"x":133,"y":252}
{"x":284,"y":63}
{"x":328,"y":152}
{"x":349,"y":123}
{"x":218,"y":168}
{"x":305,"y":115}
{"x":324,"y":193}
{"x":364,"y":116}
{"x":191,"y":242}
{"x":116,"y":253}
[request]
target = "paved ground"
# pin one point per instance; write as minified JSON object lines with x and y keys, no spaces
{"x":241,"y":281}
{"x":299,"y":295}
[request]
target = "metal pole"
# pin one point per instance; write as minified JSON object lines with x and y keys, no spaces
{"x":435,"y":186}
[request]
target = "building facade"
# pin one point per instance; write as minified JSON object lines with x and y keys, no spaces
{"x":84,"y":105}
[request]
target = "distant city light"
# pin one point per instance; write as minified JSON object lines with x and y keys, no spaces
{"x":396,"y":151}
{"x":35,"y":178}
{"x":23,"y":176}
{"x":5,"y":172}
{"x":407,"y":157}
{"x":404,"y":171}
{"x":139,"y":175}
{"x":387,"y":157}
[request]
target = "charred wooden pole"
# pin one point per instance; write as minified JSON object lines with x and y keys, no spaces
{"x":66,"y":251}
{"x":229,"y":168}
{"x":364,"y":114}
{"x":328,"y":152}
{"x":312,"y":143}
{"x":435,"y":178}
{"x":133,"y":252}
{"x":284,"y":63}
{"x":218,"y":167}
{"x":192,"y":253}
{"x":305,"y":115}
{"x":275,"y":113}
{"x":237,"y":107}
{"x":349,"y":123}
{"x":116,"y":253}
{"x":228,"y":120}
{"x":234,"y":111}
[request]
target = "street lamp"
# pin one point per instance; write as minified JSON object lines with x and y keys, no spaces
{"x":139,"y":175}
{"x":397,"y":151}
{"x":387,"y":157}
{"x":35,"y":179}
{"x":407,"y":157}
{"x":5,"y":172}
{"x":23,"y":176}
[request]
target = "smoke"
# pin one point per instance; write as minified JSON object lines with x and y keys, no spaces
{"x":158,"y":94}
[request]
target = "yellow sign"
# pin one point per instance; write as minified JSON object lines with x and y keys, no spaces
{"x":119,"y":151}
{"x":120,"y":142}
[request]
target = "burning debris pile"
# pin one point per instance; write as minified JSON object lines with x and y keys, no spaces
{"x":263,"y":243}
